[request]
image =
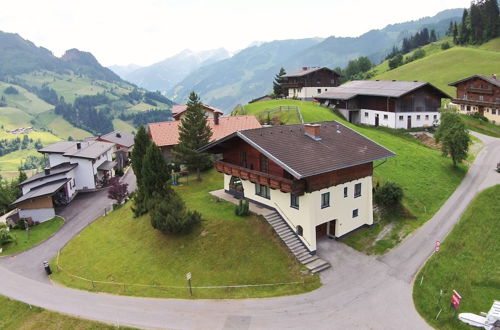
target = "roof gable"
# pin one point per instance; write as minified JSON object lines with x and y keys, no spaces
{"x":490,"y":80}
{"x":307,"y":70}
{"x":118,"y":137}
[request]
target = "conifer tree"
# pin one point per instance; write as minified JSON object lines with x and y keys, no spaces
{"x":277,"y":88}
{"x":194,"y":133}
{"x":141,"y":144}
{"x":155,"y":173}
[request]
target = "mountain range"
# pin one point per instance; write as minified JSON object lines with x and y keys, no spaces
{"x":228,"y":81}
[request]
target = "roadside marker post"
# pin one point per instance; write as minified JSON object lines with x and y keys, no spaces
{"x":188,"y":277}
{"x":437,"y":247}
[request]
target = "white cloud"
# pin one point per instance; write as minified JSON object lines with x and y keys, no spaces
{"x":142,"y":32}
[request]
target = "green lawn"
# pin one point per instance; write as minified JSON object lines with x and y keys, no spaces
{"x":480,"y":126}
{"x":467,"y":262}
{"x":123,"y":126}
{"x":226,"y":250}
{"x":18,"y":315}
{"x":36,"y":235}
{"x":428,"y":178}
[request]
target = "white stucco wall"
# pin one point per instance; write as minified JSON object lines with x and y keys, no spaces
{"x":56,"y":159}
{"x":306,"y":92}
{"x":84,"y":173}
{"x":418,"y":119}
{"x":310,"y":214}
{"x":39,"y":215}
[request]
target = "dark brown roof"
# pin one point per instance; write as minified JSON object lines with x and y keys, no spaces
{"x":384,"y":88}
{"x":55,"y":170}
{"x":491,"y":80}
{"x":307,"y":70}
{"x":301,"y":155}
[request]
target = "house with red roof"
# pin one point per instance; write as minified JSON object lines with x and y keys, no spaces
{"x":166,"y":134}
{"x":179,"y":111}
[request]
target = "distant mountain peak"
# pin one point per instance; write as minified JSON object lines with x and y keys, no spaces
{"x":74,"y":55}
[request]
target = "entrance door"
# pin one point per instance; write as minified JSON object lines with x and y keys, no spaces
{"x":376,"y":120}
{"x":321,"y":230}
{"x":236,"y":187}
{"x":331,"y":228}
{"x":409,"y":122}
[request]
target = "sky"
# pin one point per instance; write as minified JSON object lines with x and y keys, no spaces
{"x":147,"y":31}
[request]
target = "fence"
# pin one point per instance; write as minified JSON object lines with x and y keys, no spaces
{"x":283,"y":108}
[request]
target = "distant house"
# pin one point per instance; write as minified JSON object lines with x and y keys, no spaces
{"x":260,"y":99}
{"x":395,"y":104}
{"x":308,"y":82}
{"x":178,"y":111}
{"x":481,"y":94}
{"x":317,"y":177}
{"x":124,"y":143}
{"x":166,"y":134}
{"x":73,"y":167}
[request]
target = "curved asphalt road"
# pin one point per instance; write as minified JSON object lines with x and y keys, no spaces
{"x":359,"y":291}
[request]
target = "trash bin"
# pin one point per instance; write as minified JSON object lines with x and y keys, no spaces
{"x":47,"y":268}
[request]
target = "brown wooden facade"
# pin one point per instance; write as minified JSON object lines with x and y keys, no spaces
{"x":320,"y":78}
{"x":43,"y":202}
{"x":478,"y":92}
{"x":244,"y":161}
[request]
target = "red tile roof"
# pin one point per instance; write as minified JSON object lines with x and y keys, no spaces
{"x":166,"y":133}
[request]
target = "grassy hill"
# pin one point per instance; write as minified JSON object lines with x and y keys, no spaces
{"x":441,"y":67}
{"x":427,"y":178}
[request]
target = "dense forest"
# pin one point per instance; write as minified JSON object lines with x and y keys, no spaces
{"x":145,"y":117}
{"x":8,"y":146}
{"x":479,"y":24}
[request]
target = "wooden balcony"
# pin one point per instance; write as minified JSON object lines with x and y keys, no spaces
{"x":479,"y":90}
{"x":265,"y":179}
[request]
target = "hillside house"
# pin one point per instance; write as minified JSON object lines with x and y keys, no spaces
{"x":72,"y":167}
{"x":124,"y":143}
{"x":179,"y":110}
{"x":481,"y":94}
{"x":166,"y":134}
{"x":308,"y":82}
{"x":318,"y":177}
{"x":395,"y":104}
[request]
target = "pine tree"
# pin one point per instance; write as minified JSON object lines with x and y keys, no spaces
{"x":194,"y":133}
{"x":141,"y":144}
{"x":455,"y":33}
{"x":155,"y":173}
{"x":433,"y":36}
{"x":449,"y":32}
{"x":463,"y":33}
{"x":278,"y":90}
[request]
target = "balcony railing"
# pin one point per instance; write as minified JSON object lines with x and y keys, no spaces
{"x":480,"y":90}
{"x":271,"y":181}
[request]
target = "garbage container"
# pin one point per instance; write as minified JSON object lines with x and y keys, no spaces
{"x":47,"y":268}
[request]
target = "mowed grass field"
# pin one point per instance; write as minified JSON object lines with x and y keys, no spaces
{"x":25,"y":100}
{"x":480,"y":126}
{"x":467,"y":262}
{"x":226,"y":250}
{"x":441,"y":67}
{"x":59,"y":126}
{"x":18,"y":315}
{"x":428,"y":178}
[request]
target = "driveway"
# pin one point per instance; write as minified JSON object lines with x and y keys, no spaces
{"x":359,"y":291}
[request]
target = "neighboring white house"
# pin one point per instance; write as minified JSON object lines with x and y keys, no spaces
{"x":318,"y":177}
{"x":395,"y":104}
{"x":73,"y":167}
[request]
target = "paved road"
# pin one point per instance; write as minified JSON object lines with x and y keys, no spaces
{"x":84,"y":209}
{"x":360,"y":291}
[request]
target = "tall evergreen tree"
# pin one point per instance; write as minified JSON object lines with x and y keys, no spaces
{"x":155,"y":173}
{"x":463,"y":33}
{"x":194,"y":133}
{"x":141,"y":144}
{"x":449,"y":32}
{"x":278,"y":90}
{"x":455,"y":33}
{"x":476,"y":24}
{"x":433,"y":36}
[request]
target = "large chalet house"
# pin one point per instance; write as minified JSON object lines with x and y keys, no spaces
{"x":124,"y":143}
{"x":166,"y":134}
{"x":318,"y":177}
{"x":481,"y":94}
{"x":308,"y":82}
{"x":179,"y":111}
{"x":395,"y":104}
{"x":72,"y":167}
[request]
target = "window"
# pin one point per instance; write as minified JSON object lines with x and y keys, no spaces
{"x":73,"y":184}
{"x":461,"y":107}
{"x":319,"y":90}
{"x":325,"y":200}
{"x":418,"y":117}
{"x":481,"y":98}
{"x":262,"y":191}
{"x":435,"y":117}
{"x":493,"y":111}
{"x":386,"y":116}
{"x":400,"y":117}
{"x":294,"y":201}
{"x":468,"y":108}
{"x":243,"y":159}
{"x":357,"y":190}
{"x":326,"y":89}
{"x":366,"y":114}
{"x":465,"y":96}
{"x":355,"y":213}
{"x":300,"y":231}
{"x":345,"y":192}
{"x":426,"y":117}
{"x":264,"y":164}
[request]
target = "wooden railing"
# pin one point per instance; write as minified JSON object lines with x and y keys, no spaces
{"x":480,"y":90}
{"x":265,"y":179}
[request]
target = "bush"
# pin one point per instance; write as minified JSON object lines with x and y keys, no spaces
{"x":119,"y":172}
{"x":395,"y":61}
{"x":479,"y":116}
{"x":389,"y":195}
{"x":11,"y":90}
{"x":445,"y":45}
{"x":5,"y":236}
{"x":170,"y":217}
{"x":22,"y":222}
{"x":242,"y":209}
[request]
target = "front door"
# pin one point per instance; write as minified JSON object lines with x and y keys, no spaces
{"x":236,"y":187}
{"x":409,"y":122}
{"x":331,"y":229}
{"x":321,"y":230}
{"x":376,"y":120}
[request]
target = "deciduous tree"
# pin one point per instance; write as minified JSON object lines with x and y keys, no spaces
{"x":453,"y":136}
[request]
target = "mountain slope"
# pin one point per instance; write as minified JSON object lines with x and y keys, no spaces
{"x":442,"y":67}
{"x":167,"y":73}
{"x":250,"y":73}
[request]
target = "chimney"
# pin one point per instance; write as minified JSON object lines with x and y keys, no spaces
{"x":78,"y":145}
{"x":313,"y":131}
{"x":118,"y":135}
{"x":47,"y":170}
{"x":494,"y":76}
{"x":216,"y":118}
{"x":304,"y":68}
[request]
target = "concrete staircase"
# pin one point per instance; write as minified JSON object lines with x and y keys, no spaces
{"x":291,"y":240}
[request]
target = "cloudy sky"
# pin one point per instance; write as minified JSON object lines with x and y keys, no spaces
{"x":147,"y":31}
